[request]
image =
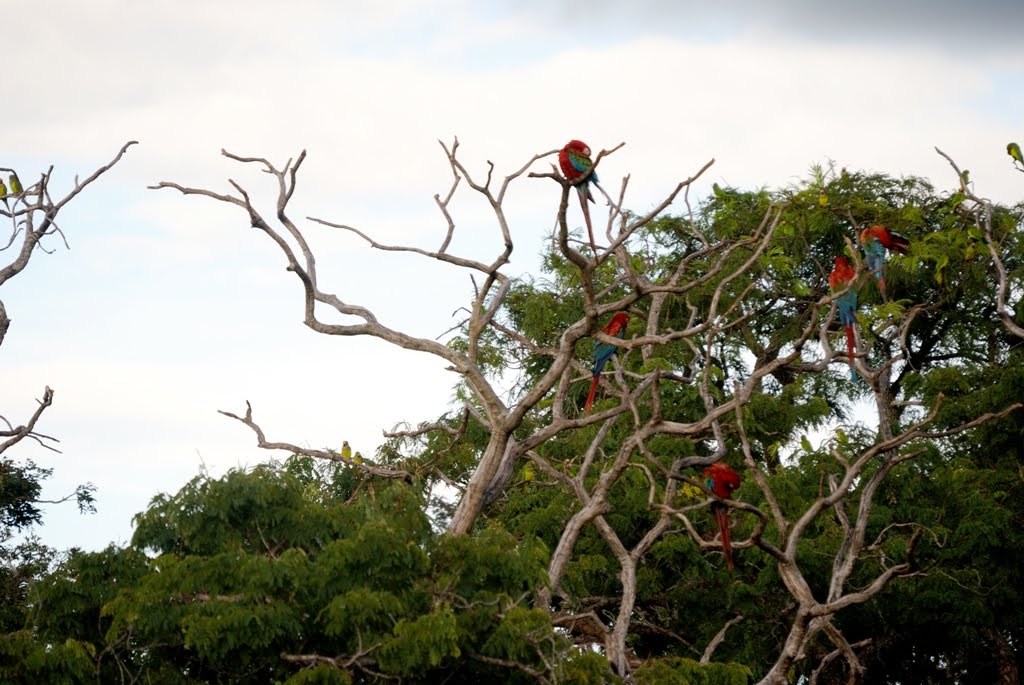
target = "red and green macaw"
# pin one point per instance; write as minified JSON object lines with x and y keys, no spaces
{"x":721,"y":479}
{"x":575,"y":161}
{"x":876,"y":240}
{"x":842,"y":276}
{"x":616,"y":328}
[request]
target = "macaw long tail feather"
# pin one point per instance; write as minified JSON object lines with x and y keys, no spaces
{"x":850,"y":352}
{"x":722,"y":514}
{"x":590,"y":396}
{"x":583,"y":192}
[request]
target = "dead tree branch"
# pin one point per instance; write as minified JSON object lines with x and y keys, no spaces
{"x":15,"y":434}
{"x":33,"y":216}
{"x":263,"y":443}
{"x":983,"y":218}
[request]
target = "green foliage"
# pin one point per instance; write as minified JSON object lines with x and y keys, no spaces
{"x":20,"y":486}
{"x":281,"y":560}
{"x":22,"y":563}
{"x":19,"y":565}
{"x":587,"y":668}
{"x":678,"y":671}
{"x":421,"y":644}
{"x":323,"y":674}
{"x":23,"y":659}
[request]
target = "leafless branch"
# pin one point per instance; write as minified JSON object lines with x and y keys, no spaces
{"x":263,"y":443}
{"x":534,"y":673}
{"x":984,"y":219}
{"x":16,"y":434}
{"x":718,"y":639}
{"x":845,"y":650}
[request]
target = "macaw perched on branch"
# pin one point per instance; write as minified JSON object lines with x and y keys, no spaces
{"x":616,"y":328}
{"x":876,"y":240}
{"x":575,"y":161}
{"x":721,"y":479}
{"x":842,"y":276}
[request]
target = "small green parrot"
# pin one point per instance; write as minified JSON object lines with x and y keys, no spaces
{"x":16,"y":187}
{"x":690,"y":493}
{"x":346,"y":451}
{"x":1013,"y":149}
{"x":3,"y":195}
{"x":358,"y":459}
{"x":965,"y":177}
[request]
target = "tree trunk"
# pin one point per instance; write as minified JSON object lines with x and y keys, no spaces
{"x":473,"y":499}
{"x":1005,"y":657}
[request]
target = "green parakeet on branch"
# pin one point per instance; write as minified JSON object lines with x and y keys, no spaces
{"x":1013,"y":149}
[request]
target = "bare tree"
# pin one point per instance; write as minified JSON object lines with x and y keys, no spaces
{"x":32,"y":216}
{"x":31,"y":213}
{"x":722,"y":274}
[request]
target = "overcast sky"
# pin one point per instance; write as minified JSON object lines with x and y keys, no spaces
{"x":167,"y":309}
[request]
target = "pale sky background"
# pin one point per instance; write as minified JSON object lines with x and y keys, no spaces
{"x":168,"y":308}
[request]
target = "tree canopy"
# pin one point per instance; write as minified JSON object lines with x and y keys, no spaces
{"x":519,"y":538}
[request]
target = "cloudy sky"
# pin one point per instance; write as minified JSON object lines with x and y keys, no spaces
{"x":166,"y":309}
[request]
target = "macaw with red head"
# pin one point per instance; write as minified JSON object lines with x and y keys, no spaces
{"x":876,"y":240}
{"x":603,"y":351}
{"x":721,"y":479}
{"x":842,"y":277}
{"x":577,"y":167}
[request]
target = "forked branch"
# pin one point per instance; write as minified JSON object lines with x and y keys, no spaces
{"x":15,"y":434}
